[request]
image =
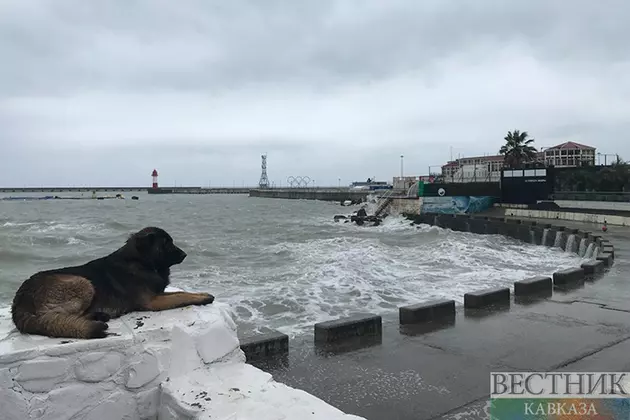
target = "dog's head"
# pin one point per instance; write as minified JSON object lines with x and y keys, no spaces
{"x":156,"y":246}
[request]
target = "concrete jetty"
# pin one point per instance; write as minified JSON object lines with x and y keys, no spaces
{"x":160,"y":190}
{"x":69,"y":189}
{"x":323,"y":194}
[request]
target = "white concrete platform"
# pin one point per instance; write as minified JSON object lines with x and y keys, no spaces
{"x":180,"y":364}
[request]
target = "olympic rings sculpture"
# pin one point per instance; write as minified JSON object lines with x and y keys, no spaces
{"x":298,"y":181}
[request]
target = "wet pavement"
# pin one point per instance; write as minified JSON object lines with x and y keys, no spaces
{"x":442,"y":371}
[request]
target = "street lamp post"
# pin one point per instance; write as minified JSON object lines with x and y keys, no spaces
{"x":401,"y":165}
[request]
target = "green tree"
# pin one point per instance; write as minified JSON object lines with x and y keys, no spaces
{"x":518,"y":149}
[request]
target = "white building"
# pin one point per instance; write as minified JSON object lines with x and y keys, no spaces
{"x":569,"y":154}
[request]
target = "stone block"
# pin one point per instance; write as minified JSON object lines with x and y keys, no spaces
{"x":98,"y":366}
{"x":493,"y":227}
{"x":593,"y":267}
{"x":148,"y":403}
{"x":426,"y":311}
{"x":525,"y":234}
{"x":606,"y":258}
{"x":266,"y":345}
{"x":532,"y":285}
{"x":607,"y":247}
{"x":477,"y":226}
{"x":142,"y":371}
{"x":117,"y":406}
{"x":563,"y":239}
{"x":549,"y":238}
{"x":538,"y":235}
{"x":42,"y":375}
{"x":486,"y":297}
{"x":67,"y":402}
{"x":355,"y":326}
{"x":569,"y":275}
{"x":42,"y":369}
{"x":13,"y":402}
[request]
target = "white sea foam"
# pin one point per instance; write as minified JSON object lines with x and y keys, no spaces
{"x":376,"y":270}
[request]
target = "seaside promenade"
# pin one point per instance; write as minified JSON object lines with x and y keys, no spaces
{"x":442,"y":370}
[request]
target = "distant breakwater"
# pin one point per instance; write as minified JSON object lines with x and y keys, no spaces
{"x":323,"y":194}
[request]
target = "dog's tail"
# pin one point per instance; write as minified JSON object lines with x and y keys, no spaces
{"x":58,"y":324}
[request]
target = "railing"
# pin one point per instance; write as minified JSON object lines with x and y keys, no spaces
{"x":387,"y":197}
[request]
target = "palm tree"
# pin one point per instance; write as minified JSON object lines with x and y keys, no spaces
{"x":518,"y":149}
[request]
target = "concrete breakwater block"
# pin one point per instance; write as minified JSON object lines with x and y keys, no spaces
{"x":608,"y":248}
{"x":570,"y":275}
{"x":481,"y":298}
{"x":350,"y":327}
{"x":532,"y":285}
{"x":265,"y":345}
{"x":606,"y":258}
{"x":593,"y":267}
{"x":426,"y":311}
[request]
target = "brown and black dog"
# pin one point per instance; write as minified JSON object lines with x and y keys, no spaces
{"x":77,"y":302}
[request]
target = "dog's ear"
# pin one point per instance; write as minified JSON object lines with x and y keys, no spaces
{"x":145,"y":240}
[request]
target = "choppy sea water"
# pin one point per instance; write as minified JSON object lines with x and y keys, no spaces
{"x":281,"y":264}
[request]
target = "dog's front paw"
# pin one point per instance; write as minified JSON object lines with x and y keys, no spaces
{"x":205,"y":299}
{"x":98,"y":329}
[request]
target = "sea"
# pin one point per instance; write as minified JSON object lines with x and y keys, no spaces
{"x":279,"y":264}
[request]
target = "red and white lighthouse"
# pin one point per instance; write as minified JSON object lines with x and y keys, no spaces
{"x":154,"y":174}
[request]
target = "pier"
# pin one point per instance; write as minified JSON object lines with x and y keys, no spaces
{"x":172,"y":190}
{"x":198,"y":190}
{"x":69,"y":189}
{"x":323,"y":194}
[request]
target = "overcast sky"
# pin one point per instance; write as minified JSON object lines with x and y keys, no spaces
{"x":101,"y":93}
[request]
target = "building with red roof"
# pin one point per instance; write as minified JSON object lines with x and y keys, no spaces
{"x":569,"y":154}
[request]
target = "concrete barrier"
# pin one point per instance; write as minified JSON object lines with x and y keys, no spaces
{"x":355,"y":326}
{"x":570,"y":275}
{"x":562,"y":215}
{"x":481,"y":298}
{"x":608,"y":248}
{"x":551,"y":237}
{"x":532,"y":285}
{"x":562,"y":243}
{"x":538,"y":232}
{"x":426,"y":311}
{"x":267,"y":345}
{"x":606,"y":258}
{"x":593,"y":268}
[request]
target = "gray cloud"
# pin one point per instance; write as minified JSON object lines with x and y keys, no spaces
{"x":330,"y":89}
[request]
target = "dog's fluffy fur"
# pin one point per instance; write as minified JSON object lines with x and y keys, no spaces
{"x":77,"y":302}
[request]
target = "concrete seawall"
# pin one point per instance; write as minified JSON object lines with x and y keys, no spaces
{"x":593,"y":217}
{"x":312,"y":194}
